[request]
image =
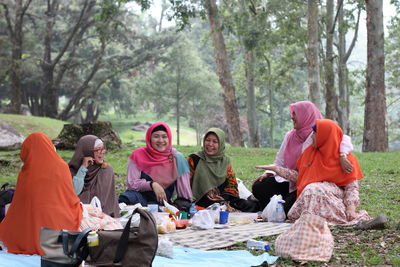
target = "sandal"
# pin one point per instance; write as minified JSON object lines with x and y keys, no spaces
{"x":378,"y":222}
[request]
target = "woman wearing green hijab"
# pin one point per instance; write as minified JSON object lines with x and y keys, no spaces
{"x":212,"y":176}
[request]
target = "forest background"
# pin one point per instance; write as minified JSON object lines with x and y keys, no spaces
{"x":79,"y":60}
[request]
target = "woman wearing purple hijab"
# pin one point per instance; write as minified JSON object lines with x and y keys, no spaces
{"x":304,"y":115}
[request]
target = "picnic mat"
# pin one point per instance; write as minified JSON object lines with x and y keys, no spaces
{"x":221,"y":238}
{"x":184,"y":257}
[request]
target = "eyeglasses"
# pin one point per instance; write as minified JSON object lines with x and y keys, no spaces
{"x":100,"y":150}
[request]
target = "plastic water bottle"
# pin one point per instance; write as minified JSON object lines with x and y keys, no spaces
{"x":93,"y":239}
{"x":255,"y":244}
{"x":192,"y":210}
{"x":280,"y":213}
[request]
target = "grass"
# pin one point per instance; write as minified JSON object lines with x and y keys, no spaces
{"x":28,"y":124}
{"x":379,"y":193}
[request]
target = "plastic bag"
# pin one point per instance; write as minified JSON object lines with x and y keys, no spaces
{"x":203,"y":220}
{"x":95,"y":202}
{"x":270,"y":211}
{"x":244,"y":193}
{"x":126,"y":211}
{"x":214,"y":210}
{"x":165,"y":248}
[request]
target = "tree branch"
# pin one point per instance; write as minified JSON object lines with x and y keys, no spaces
{"x":353,"y":42}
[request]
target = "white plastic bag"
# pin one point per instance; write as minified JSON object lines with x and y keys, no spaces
{"x":214,"y":210}
{"x":165,"y":248}
{"x":96,"y":203}
{"x":270,"y":211}
{"x":244,"y":193}
{"x":203,"y":220}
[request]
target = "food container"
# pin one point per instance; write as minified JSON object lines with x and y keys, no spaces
{"x":181,"y":224}
{"x":242,"y":217}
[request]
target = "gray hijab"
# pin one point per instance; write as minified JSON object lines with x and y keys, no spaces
{"x":99,"y":179}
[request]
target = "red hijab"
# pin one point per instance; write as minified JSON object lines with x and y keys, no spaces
{"x":322,"y":163}
{"x":306,"y":115}
{"x":160,"y":166}
{"x":44,"y":197}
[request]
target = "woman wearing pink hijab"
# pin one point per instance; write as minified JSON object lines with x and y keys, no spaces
{"x":157,"y":170}
{"x":304,"y":115}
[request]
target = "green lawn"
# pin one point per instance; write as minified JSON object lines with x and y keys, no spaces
{"x":379,"y":193}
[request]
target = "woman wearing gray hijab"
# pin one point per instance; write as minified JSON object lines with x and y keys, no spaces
{"x":92,"y":175}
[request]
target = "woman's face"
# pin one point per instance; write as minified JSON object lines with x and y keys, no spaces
{"x":159,"y":141}
{"x":211,"y":144}
{"x":98,"y":154}
{"x":294,"y":119}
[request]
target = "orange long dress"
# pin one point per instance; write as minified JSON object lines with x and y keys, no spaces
{"x":44,"y":197}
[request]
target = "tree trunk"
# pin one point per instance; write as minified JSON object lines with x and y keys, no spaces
{"x":312,"y":53}
{"x":330,"y":96}
{"x":251,"y":100}
{"x":178,"y":113}
{"x":272,"y":120}
{"x":375,"y":129}
{"x":224,"y":75}
{"x":344,"y":96}
{"x":15,"y":34}
{"x":49,"y":94}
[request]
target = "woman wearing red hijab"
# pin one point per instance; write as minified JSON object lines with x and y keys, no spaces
{"x":45,"y":197}
{"x":323,"y":188}
{"x":156,"y":170}
{"x":304,"y":115}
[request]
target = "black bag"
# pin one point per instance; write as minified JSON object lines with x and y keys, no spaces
{"x":6,"y":196}
{"x":63,"y":248}
{"x":128,"y":246}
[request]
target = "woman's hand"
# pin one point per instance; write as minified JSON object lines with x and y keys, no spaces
{"x":87,"y":161}
{"x":347,"y":167}
{"x":159,"y":192}
{"x":265,"y":174}
{"x":214,"y":195}
{"x":351,"y":212}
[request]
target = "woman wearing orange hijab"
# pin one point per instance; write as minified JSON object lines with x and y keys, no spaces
{"x":44,"y":197}
{"x":323,"y":188}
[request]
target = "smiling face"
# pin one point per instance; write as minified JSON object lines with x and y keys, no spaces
{"x":211,"y":144}
{"x":98,"y":154}
{"x":159,"y":141}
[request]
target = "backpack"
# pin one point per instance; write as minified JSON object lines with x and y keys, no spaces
{"x":6,"y":196}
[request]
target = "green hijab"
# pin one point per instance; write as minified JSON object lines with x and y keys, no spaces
{"x":211,"y":169}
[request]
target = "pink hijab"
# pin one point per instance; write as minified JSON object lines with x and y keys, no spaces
{"x":160,"y":166}
{"x":307,"y":114}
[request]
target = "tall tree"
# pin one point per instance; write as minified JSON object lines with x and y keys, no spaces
{"x":15,"y":33}
{"x":375,"y":129}
{"x":343,"y":108}
{"x":313,"y":53}
{"x":330,"y":95}
{"x":224,"y":74}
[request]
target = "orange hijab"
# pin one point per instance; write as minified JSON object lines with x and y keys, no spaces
{"x":322,"y":163}
{"x":44,"y":197}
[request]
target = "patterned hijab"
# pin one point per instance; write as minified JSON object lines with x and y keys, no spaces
{"x":160,"y":166}
{"x":99,"y":179}
{"x":306,"y":115}
{"x":211,"y":169}
{"x":44,"y":197}
{"x":322,"y":163}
